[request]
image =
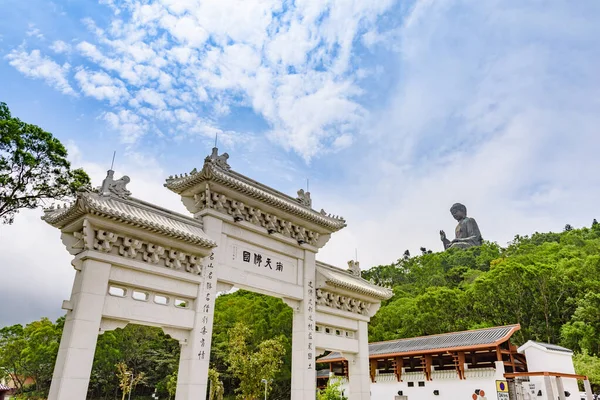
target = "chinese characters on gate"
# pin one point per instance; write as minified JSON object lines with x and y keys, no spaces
{"x":258,"y":260}
{"x":208,"y":293}
{"x":310,"y":306}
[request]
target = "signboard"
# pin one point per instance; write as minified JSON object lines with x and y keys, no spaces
{"x":502,"y":389}
{"x":257,"y":260}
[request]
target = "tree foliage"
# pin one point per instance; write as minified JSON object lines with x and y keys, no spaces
{"x":30,"y":352}
{"x":589,"y":366}
{"x":251,"y":365}
{"x":33,"y":167}
{"x":332,"y":391}
{"x":128,"y":379}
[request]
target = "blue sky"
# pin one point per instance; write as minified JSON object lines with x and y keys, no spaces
{"x":393,"y":109}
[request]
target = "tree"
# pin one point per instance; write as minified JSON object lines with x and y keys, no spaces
{"x":332,"y":391}
{"x":12,"y":363}
{"x":250,"y":366}
{"x":127,"y":379}
{"x":33,"y":167}
{"x":583,"y":331}
{"x":589,"y":366}
{"x":172,"y":384}
{"x":216,"y":389}
{"x":39,"y":355}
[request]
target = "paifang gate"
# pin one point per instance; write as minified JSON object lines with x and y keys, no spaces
{"x":139,"y":263}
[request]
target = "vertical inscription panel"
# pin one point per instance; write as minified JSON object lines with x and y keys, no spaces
{"x":258,"y":260}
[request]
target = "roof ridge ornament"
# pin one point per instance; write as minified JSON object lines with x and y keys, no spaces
{"x":304,"y":198}
{"x":354,"y":268}
{"x":118,"y":187}
{"x":218,"y":160}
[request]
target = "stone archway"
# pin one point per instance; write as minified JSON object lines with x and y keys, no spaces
{"x":139,"y":263}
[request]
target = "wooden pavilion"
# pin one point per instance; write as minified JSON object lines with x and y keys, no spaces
{"x":456,"y":351}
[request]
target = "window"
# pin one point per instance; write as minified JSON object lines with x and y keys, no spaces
{"x":421,"y":384}
{"x":181,"y":303}
{"x":140,"y":296}
{"x":338,"y":332}
{"x":317,"y":328}
{"x":158,"y":299}
{"x":117,"y":291}
{"x":411,"y":384}
{"x":327,"y":330}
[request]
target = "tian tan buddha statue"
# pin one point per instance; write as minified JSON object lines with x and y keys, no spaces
{"x":467,"y":231}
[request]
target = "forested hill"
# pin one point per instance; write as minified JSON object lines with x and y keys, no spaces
{"x":548,"y":282}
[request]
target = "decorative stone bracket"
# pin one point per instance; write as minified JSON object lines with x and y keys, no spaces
{"x":241,"y":212}
{"x":344,"y":303}
{"x":132,"y":248}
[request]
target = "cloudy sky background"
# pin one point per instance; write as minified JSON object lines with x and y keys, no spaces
{"x":393,"y":109}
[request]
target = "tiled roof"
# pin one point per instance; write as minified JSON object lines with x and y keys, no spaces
{"x":456,"y":341}
{"x":554,"y":347}
{"x":211,"y":172}
{"x":323,"y":373}
{"x":341,"y":278}
{"x":4,"y":388}
{"x":133,"y":212}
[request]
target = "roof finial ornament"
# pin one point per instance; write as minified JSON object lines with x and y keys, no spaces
{"x":219,"y":160}
{"x":354,"y":268}
{"x":304,"y":198}
{"x":118,"y":187}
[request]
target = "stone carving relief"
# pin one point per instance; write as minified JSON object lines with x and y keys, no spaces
{"x":333,"y":300}
{"x":113,"y":243}
{"x":241,"y":212}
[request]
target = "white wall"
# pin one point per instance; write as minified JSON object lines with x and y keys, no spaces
{"x":446,"y":382}
{"x":541,"y":359}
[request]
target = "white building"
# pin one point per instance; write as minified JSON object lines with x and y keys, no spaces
{"x":479,"y":364}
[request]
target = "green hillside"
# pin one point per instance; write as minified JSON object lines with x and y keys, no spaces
{"x":548,"y":282}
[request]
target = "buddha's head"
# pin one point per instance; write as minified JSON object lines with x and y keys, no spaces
{"x":458,"y":211}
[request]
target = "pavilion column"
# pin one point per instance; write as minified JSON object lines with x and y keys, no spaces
{"x":194,"y":360}
{"x":588,"y":389}
{"x":75,"y":356}
{"x":560,"y":388}
{"x":358,"y":367}
{"x":304,"y":378}
{"x":548,"y":386}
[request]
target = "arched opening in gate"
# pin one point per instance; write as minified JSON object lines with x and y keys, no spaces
{"x":269,"y":323}
{"x":139,"y":358}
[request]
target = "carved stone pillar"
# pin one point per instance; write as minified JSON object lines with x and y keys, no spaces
{"x":73,"y":366}
{"x":192,"y":378}
{"x":358,"y":367}
{"x":304,"y":379}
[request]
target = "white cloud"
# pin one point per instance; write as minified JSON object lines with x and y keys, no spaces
{"x":101,"y":86}
{"x":291,"y":65}
{"x":35,"y":32}
{"x":58,"y":46}
{"x":34,"y":65}
{"x":130,"y":126}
